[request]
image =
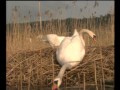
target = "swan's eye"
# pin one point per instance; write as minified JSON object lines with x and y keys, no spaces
{"x":94,"y":36}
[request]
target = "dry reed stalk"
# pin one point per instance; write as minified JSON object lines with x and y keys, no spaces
{"x":112,"y":27}
{"x":29,"y":81}
{"x":66,"y":81}
{"x":59,"y":23}
{"x":103,"y":75}
{"x":102,"y":68}
{"x":84,"y":84}
{"x":40,"y":17}
{"x":79,"y":80}
{"x":37,"y":72}
{"x":41,"y":72}
{"x":101,"y":87}
{"x":20,"y":77}
{"x":95,"y":75}
{"x":53,"y":66}
{"x":19,"y":87}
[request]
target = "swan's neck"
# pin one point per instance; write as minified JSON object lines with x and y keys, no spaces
{"x":83,"y":42}
{"x":81,"y":34}
{"x":62,"y":71}
{"x":85,"y":31}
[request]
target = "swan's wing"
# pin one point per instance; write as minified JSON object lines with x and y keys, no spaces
{"x":61,"y":38}
{"x":54,"y":39}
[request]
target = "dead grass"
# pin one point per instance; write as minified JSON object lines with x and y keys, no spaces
{"x":26,"y":67}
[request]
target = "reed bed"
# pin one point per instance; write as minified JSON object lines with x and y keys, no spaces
{"x":38,"y":68}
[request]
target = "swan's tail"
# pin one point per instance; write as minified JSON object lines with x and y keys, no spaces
{"x":75,"y":32}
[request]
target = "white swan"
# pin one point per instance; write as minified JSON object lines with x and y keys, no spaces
{"x":42,"y":38}
{"x":70,"y":53}
{"x":39,"y":36}
{"x":54,"y":40}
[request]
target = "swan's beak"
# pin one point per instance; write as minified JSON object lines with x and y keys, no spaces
{"x":94,"y":38}
{"x":54,"y":87}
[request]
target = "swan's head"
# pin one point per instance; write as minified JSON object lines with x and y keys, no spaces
{"x":94,"y":38}
{"x":56,"y":84}
{"x":92,"y":35}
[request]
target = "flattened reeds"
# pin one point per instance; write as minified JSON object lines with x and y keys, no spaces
{"x":29,"y":71}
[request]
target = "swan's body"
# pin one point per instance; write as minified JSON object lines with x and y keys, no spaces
{"x":54,"y":40}
{"x":70,"y":49}
{"x":71,"y":52}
